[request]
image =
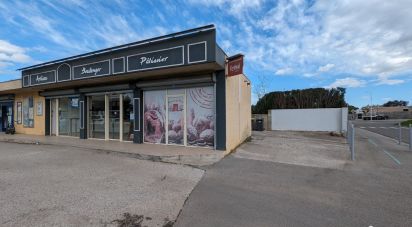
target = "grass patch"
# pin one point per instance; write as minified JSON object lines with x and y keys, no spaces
{"x":406,"y":123}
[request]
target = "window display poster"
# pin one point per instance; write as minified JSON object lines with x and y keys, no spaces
{"x":19,"y":112}
{"x":200,"y":116}
{"x":31,"y":113}
{"x":176,"y":120}
{"x":75,"y":102}
{"x":39,"y":108}
{"x":28,"y":112}
{"x":154,"y":117}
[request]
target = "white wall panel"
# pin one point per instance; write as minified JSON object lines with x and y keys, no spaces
{"x":325,"y":119}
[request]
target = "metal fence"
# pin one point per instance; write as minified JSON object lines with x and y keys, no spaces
{"x":410,"y":137}
{"x":350,"y":137}
{"x":400,"y":136}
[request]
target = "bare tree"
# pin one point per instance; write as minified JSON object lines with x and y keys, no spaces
{"x":260,"y":87}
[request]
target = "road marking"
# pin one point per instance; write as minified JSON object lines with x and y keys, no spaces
{"x":370,"y":141}
{"x":386,"y":152}
{"x":383,"y":127}
{"x":396,"y":160}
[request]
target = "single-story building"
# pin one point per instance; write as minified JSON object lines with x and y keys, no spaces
{"x":177,"y":89}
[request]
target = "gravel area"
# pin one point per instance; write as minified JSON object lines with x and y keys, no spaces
{"x":44,"y":185}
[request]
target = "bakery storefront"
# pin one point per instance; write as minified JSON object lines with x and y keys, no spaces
{"x":168,"y":90}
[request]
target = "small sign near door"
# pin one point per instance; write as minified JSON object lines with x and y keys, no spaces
{"x":39,"y":108}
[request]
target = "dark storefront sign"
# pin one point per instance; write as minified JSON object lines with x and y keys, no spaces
{"x":156,"y":59}
{"x":235,"y":66}
{"x":197,"y":52}
{"x":43,"y":78}
{"x":95,"y":69}
{"x":26,"y":80}
{"x":63,"y":72}
{"x":178,"y":49}
{"x":118,"y":65}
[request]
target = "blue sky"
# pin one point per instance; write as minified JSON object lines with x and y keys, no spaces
{"x":365,"y":46}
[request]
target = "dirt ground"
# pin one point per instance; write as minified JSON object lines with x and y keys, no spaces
{"x":315,"y":149}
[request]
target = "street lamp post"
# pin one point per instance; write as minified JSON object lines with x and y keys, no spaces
{"x":371,"y":109}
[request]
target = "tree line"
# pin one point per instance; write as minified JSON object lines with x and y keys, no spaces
{"x":395,"y":103}
{"x":301,"y":99}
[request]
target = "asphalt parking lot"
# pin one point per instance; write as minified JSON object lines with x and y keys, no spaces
{"x":249,"y":190}
{"x":388,"y":128}
{"x":44,"y":185}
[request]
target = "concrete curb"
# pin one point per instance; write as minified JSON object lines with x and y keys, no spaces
{"x":196,"y":160}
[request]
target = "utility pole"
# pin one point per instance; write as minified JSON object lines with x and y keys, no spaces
{"x":371,"y":109}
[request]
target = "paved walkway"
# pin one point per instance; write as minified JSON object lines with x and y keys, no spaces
{"x":154,"y":152}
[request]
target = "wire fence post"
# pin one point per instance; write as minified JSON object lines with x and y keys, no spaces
{"x":353,"y":143}
{"x":400,"y":133}
{"x":410,"y":137}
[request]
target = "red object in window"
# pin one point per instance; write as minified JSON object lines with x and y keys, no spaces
{"x":175,"y":107}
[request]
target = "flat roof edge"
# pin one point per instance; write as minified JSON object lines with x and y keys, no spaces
{"x":124,"y":46}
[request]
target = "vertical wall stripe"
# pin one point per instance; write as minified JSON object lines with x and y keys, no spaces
{"x":220,"y":127}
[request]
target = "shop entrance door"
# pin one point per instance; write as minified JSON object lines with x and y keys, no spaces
{"x":3,"y":118}
{"x":176,"y":119}
{"x":6,"y":116}
{"x":114,"y":117}
{"x":97,"y":117}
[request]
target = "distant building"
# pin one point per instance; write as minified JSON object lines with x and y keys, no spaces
{"x":393,"y":112}
{"x":396,"y":112}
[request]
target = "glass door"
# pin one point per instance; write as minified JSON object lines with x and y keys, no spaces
{"x":53,"y":117}
{"x":97,"y":117}
{"x":114,"y":117}
{"x":3,"y":117}
{"x":176,"y":119}
{"x":128,"y":117}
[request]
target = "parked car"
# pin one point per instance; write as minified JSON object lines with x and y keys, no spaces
{"x":382,"y":117}
{"x":375,"y":117}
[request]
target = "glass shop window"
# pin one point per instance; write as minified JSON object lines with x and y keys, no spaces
{"x":28,"y":112}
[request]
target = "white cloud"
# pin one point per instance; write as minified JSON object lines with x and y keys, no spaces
{"x":10,"y":54}
{"x":387,"y":81}
{"x":366,"y":39}
{"x":284,"y":71}
{"x":30,"y":16}
{"x":234,"y":7}
{"x":326,"y":67}
{"x":348,"y":82}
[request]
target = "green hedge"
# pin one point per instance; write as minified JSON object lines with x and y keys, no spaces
{"x":301,"y":99}
{"x":406,"y":123}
